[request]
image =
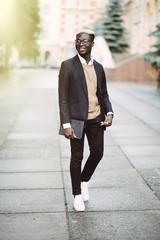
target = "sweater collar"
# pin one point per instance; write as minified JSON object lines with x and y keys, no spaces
{"x":83,"y":61}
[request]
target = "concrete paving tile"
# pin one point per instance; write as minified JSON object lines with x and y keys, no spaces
{"x":133,"y":134}
{"x":12,"y":101}
{"x":111,"y":162}
{"x":4,"y":129}
{"x":35,"y":115}
{"x":34,"y":109}
{"x":33,"y":146}
{"x":129,"y":127}
{"x":31,"y":135}
{"x":138,"y":141}
{"x":156,"y":125}
{"x":65,"y":164}
{"x":153,"y":123}
{"x":40,"y":226}
{"x":114,"y":162}
{"x":30,"y":165}
{"x":150,"y":150}
{"x":118,"y":199}
{"x":63,"y":141}
{"x":141,"y":225}
{"x":108,"y":151}
{"x":111,"y":179}
{"x":65,"y":152}
{"x":9,"y":110}
{"x":9,"y":118}
{"x":29,"y":143}
{"x":27,"y":201}
{"x":31,"y":180}
{"x":2,"y":137}
{"x":151,"y":176}
{"x":112,"y":151}
{"x":124,"y":119}
{"x":30,"y":153}
{"x":145,"y":162}
{"x":156,"y":190}
{"x":151,"y":118}
{"x":39,"y":99}
{"x":33,"y":128}
{"x":4,"y":123}
{"x":40,"y":116}
{"x":108,"y":141}
{"x":46,"y":95}
{"x":36,"y":122}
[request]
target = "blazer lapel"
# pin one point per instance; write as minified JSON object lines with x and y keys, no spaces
{"x":98,"y":75}
{"x":79,"y":68}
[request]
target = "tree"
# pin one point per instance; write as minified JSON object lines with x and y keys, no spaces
{"x":110,"y":26}
{"x":19,"y":27}
{"x":154,"y":56}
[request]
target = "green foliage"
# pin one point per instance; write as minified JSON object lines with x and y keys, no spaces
{"x":110,"y":26}
{"x":154,"y":57}
{"x":19,"y":27}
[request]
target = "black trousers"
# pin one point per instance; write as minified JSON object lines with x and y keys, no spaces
{"x":95,"y":137}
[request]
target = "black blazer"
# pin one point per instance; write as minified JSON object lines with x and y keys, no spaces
{"x":73,"y":93}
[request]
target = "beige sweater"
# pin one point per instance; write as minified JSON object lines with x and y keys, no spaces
{"x":91,"y":79}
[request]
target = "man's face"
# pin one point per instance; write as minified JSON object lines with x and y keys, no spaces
{"x":84,"y":44}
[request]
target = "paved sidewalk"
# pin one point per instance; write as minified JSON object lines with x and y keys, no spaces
{"x":35,"y":190}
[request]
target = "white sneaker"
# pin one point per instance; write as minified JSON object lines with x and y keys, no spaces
{"x":85,"y":192}
{"x":78,"y":203}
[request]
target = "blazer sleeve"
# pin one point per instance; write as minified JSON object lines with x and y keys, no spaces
{"x":63,"y":90}
{"x":106,"y":100}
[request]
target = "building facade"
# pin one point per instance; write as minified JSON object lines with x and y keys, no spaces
{"x":49,"y":37}
{"x":75,"y":15}
{"x":141,"y":18}
{"x":61,"y":19}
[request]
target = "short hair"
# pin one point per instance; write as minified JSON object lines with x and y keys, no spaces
{"x":91,"y":37}
{"x":88,"y":31}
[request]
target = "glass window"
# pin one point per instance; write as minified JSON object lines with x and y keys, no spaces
{"x":84,"y":23}
{"x":70,"y":21}
{"x":83,"y":3}
{"x":101,"y":3}
{"x":70,"y":50}
{"x":70,"y":3}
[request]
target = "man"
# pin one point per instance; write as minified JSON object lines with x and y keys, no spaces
{"x":83,"y":96}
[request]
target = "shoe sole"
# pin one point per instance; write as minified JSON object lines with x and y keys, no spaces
{"x":79,"y":210}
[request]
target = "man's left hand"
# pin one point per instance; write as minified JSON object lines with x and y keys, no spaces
{"x":108,"y":121}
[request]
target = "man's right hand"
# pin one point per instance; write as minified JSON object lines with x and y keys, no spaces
{"x":69,"y":133}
